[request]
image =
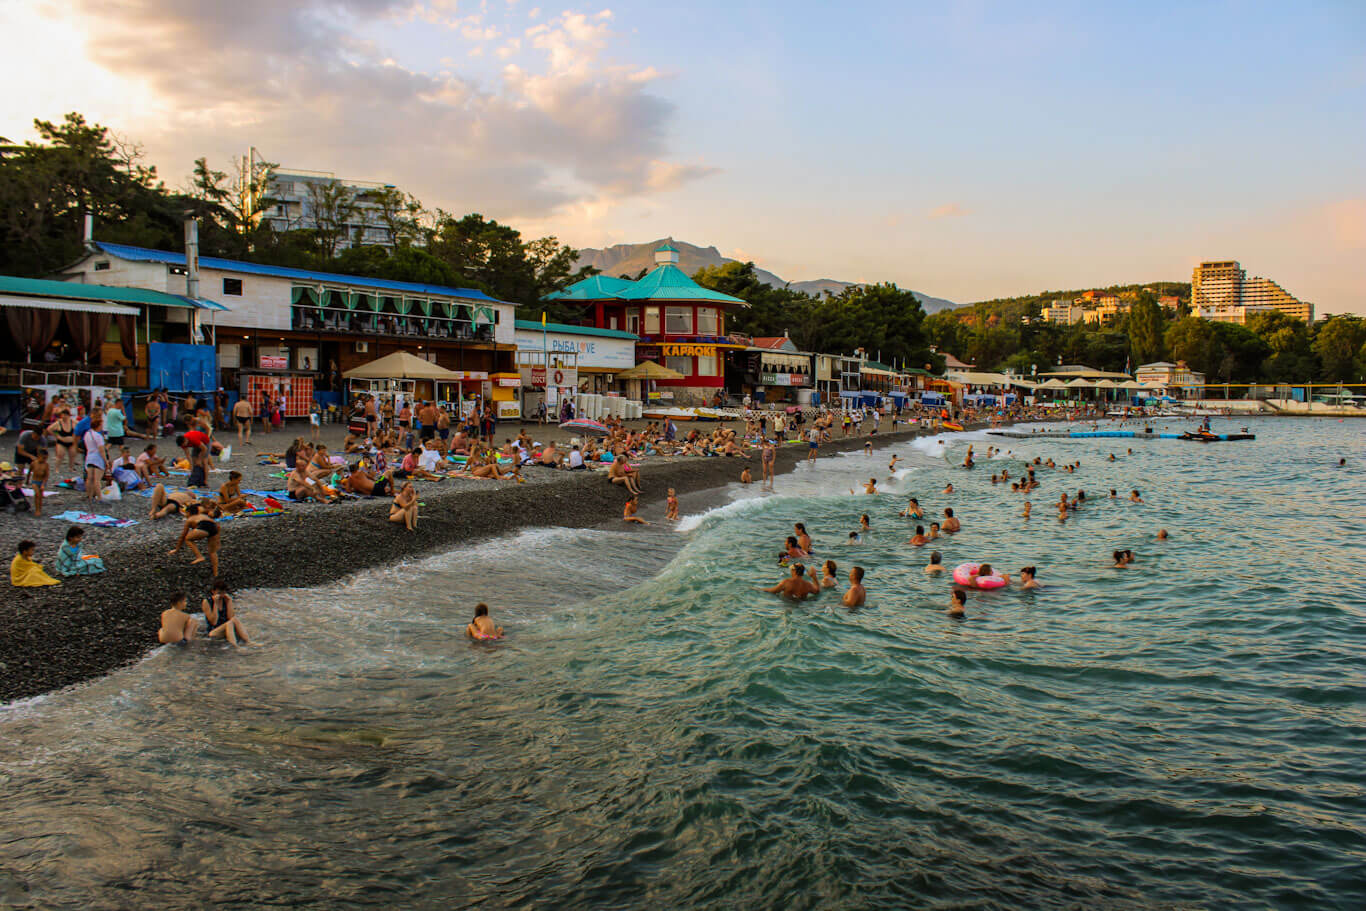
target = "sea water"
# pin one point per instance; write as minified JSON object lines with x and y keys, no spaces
{"x":655,"y":731}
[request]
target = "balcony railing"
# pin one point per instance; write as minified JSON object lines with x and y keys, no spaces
{"x":393,"y":325}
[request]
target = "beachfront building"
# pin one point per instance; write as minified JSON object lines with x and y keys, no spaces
{"x":1222,"y":292}
{"x":953,"y":367}
{"x":298,"y":331}
{"x":680,"y":324}
{"x":294,"y":197}
{"x":556,"y":359}
{"x":85,"y":342}
{"x":1178,"y":379}
{"x":770,"y":370}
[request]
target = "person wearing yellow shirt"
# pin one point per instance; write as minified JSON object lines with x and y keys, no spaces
{"x":24,"y":571}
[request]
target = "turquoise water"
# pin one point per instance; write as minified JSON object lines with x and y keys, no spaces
{"x":1188,"y":732}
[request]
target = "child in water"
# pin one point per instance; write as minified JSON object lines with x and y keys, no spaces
{"x":958,"y":600}
{"x":936,"y":564}
{"x":671,"y":512}
{"x":481,"y":627}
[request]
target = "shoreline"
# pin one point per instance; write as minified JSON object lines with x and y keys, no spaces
{"x":63,"y":635}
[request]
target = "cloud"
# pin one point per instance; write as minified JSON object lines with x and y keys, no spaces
{"x":302,"y":83}
{"x":949,"y":210}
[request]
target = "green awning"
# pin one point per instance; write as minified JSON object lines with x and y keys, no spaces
{"x":304,"y":296}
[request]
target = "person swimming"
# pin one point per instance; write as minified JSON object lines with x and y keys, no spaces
{"x":1123,"y":558}
{"x":803,"y":538}
{"x":481,"y":627}
{"x":958,"y":600}
{"x":828,"y":578}
{"x":936,"y":564}
{"x":918,"y":539}
{"x":854,"y":538}
{"x":913,"y":510}
{"x":1027,"y":577}
{"x":1162,"y":534}
{"x":864,"y":524}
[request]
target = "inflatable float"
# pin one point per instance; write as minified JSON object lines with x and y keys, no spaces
{"x":966,"y":574}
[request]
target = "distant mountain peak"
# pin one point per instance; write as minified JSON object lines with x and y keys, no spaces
{"x":630,"y":259}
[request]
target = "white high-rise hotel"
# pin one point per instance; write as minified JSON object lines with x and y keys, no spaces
{"x":1221,"y":291}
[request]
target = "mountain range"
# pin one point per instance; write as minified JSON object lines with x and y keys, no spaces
{"x":630,"y":259}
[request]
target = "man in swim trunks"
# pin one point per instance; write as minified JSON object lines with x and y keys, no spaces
{"x":813,"y":442}
{"x":856,"y":594}
{"x":362,"y":482}
{"x":241,"y":415}
{"x":794,"y":586}
{"x":951,"y":524}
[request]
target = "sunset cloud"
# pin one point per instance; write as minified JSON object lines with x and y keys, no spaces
{"x":305,"y":84}
{"x":949,"y":210}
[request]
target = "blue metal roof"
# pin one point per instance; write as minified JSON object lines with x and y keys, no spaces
{"x":567,"y":329}
{"x":143,"y":254}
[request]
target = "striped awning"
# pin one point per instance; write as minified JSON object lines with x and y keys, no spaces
{"x":57,"y":303}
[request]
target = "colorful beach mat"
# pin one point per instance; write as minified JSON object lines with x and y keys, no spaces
{"x":88,"y":518}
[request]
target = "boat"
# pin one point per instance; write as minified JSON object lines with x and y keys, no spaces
{"x":585,"y":425}
{"x":1206,"y":437}
{"x":677,"y":414}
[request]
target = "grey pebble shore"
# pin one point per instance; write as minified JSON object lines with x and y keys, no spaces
{"x":61,"y":635}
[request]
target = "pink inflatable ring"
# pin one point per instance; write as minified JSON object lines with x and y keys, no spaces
{"x":966,"y":574}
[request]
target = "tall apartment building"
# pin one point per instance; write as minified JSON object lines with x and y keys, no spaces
{"x":292,"y":207}
{"x":1221,"y":291}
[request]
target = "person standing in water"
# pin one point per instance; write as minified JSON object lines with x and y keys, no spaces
{"x":856,"y":594}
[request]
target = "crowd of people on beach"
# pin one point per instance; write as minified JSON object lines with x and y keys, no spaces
{"x":388,"y":447}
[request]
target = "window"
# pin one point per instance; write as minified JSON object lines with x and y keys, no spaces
{"x":708,"y":365}
{"x":177,"y":270}
{"x":232,"y":286}
{"x":682,"y":364}
{"x":102,"y":266}
{"x":707,"y":323}
{"x":652,"y":321}
{"x":678,"y":321}
{"x":632,"y":320}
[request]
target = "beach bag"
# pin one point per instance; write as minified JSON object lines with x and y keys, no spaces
{"x":111,"y":493}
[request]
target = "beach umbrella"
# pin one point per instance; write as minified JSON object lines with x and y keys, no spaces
{"x":1078,"y":383}
{"x":1107,"y":384}
{"x":649,"y":370}
{"x":585,"y":425}
{"x":1053,"y":384}
{"x":401,"y":366}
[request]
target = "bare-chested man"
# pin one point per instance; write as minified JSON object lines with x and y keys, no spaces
{"x":795,"y":586}
{"x":241,"y":416}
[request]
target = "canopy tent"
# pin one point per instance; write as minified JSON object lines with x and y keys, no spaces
{"x":401,"y":366}
{"x":1052,"y":384}
{"x":649,"y":370}
{"x":1131,"y":384}
{"x":1107,"y":384}
{"x":1079,"y":383}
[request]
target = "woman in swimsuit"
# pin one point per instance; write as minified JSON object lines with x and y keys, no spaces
{"x":222,"y":616}
{"x":63,"y":433}
{"x":404,"y":507}
{"x":200,"y":527}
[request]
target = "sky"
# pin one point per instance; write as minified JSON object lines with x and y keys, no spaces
{"x":967,"y":150}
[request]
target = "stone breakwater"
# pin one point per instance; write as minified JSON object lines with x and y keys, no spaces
{"x":88,"y":626}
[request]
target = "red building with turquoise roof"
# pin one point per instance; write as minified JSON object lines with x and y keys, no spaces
{"x":681,"y":324}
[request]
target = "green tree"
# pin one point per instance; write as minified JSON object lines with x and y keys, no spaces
{"x":1338,"y":342}
{"x":331,"y":208}
{"x":1292,"y":358}
{"x":1192,"y":340}
{"x":1145,"y":329}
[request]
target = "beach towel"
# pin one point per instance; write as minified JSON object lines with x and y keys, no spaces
{"x":27,"y":574}
{"x":274,"y":494}
{"x":86,"y":518}
{"x":47,"y":494}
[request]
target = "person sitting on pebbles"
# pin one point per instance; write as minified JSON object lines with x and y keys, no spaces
{"x":618,"y":472}
{"x":404,"y":507}
{"x":177,"y":627}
